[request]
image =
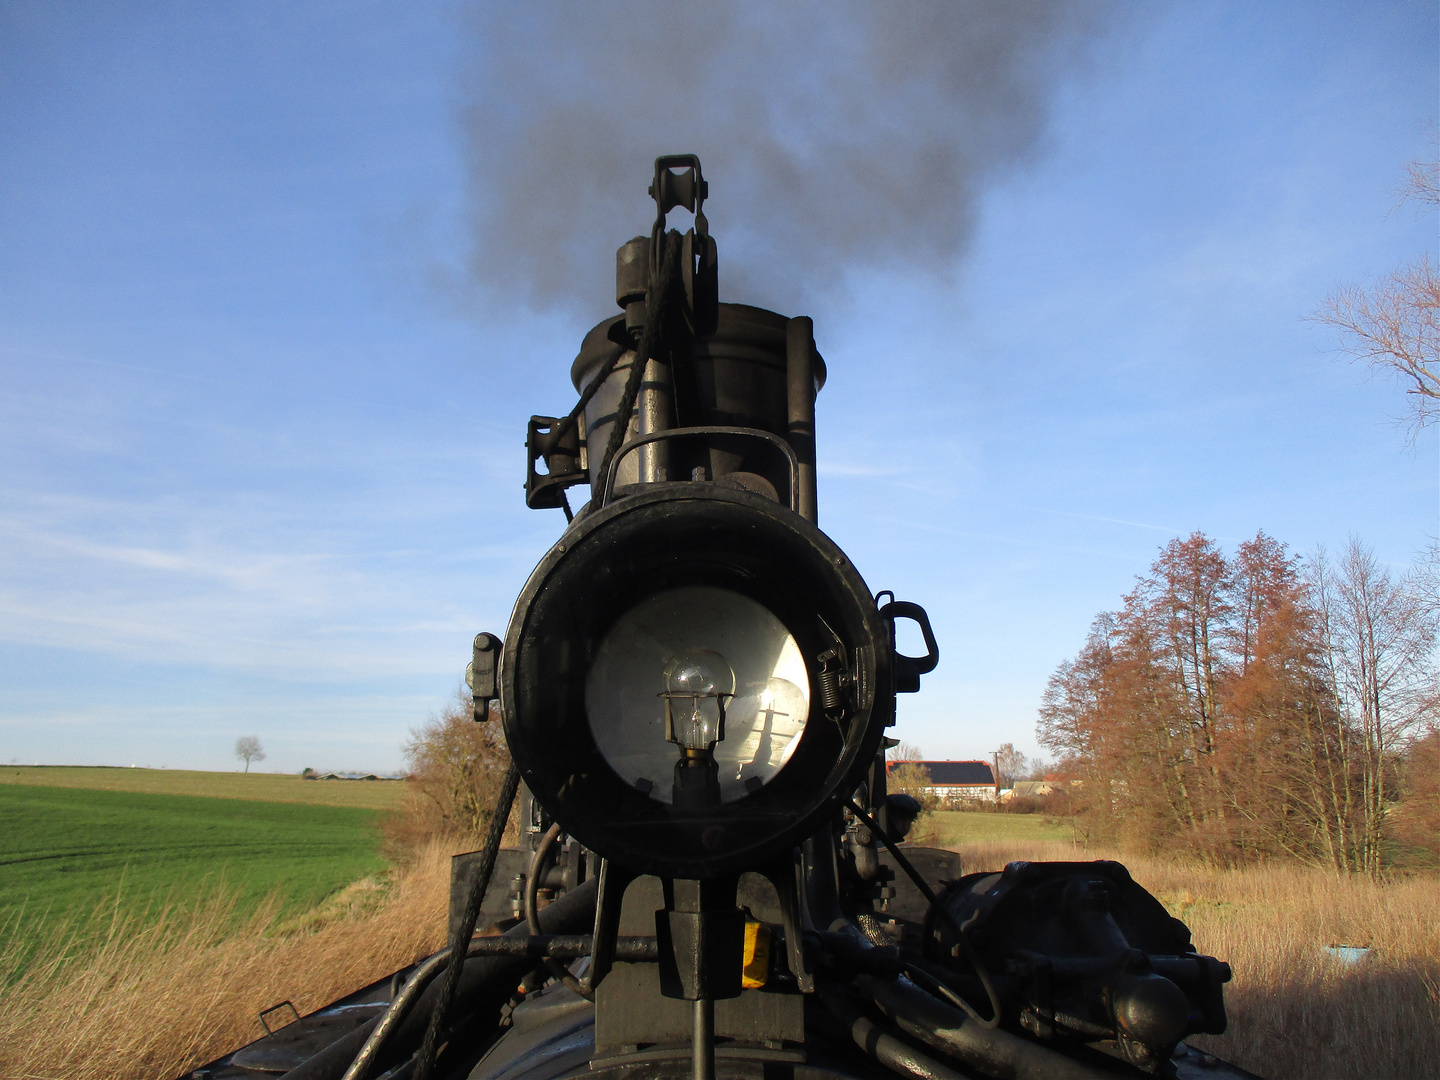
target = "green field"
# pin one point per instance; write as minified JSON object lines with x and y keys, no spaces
{"x":974,"y":827}
{"x":65,"y":851}
{"x":267,"y":787}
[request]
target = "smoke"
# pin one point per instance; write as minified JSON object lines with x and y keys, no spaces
{"x":836,"y":137}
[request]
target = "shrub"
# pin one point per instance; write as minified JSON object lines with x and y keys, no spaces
{"x":456,"y":767}
{"x":912,"y":779}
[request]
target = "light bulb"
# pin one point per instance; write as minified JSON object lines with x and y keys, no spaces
{"x":698,"y":683}
{"x":704,"y":668}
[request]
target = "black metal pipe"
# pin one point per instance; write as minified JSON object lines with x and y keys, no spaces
{"x":394,"y":1016}
{"x":564,"y":947}
{"x":486,"y":980}
{"x":880,"y":1044}
{"x":800,"y":397}
{"x":989,"y":1050}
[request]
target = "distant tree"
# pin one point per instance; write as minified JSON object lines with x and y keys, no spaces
{"x":1394,"y":325}
{"x":1037,"y":768}
{"x":905,"y":751}
{"x":1417,"y":818}
{"x":1011,"y":764}
{"x":247,"y":749}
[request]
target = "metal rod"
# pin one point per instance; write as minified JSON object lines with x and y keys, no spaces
{"x":608,"y":486}
{"x":703,"y":1039}
{"x":564,"y":947}
{"x":800,"y":394}
{"x":395,"y":1015}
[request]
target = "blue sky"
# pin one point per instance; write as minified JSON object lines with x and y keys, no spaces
{"x":262,"y":395}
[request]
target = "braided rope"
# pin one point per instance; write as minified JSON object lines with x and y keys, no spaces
{"x":425,"y":1060}
{"x":662,"y":296}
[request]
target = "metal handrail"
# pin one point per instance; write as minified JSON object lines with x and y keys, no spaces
{"x":607,"y":489}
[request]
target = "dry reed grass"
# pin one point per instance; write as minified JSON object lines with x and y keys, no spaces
{"x":165,"y":991}
{"x":1295,"y":1010}
{"x":159,"y":996}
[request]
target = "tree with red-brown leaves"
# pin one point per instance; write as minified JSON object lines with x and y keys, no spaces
{"x":1417,"y":817}
{"x":1240,"y":708}
{"x":1290,"y":751}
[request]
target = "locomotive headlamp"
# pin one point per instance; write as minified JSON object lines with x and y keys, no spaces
{"x":670,"y":682}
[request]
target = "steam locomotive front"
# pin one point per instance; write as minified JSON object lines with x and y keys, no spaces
{"x":695,"y":685}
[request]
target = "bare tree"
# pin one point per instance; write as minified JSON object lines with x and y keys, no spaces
{"x":247,"y":749}
{"x":1379,"y":642}
{"x":1394,"y":325}
{"x":905,"y":751}
{"x":1010,"y":764}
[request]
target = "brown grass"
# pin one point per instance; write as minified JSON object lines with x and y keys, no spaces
{"x":1296,"y":1011}
{"x":163,"y":994}
{"x":166,"y":991}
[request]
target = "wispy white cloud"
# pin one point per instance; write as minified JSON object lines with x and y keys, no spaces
{"x":1109,"y":520}
{"x":852,"y":469}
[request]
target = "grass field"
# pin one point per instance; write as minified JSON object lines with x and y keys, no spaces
{"x":163,"y":997}
{"x":64,"y":851}
{"x":157,"y":998}
{"x":948,"y":828}
{"x":266,"y":787}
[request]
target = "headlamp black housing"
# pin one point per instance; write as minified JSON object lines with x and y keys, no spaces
{"x":673,"y":536}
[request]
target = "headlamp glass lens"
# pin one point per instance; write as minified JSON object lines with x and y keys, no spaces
{"x":703,"y":669}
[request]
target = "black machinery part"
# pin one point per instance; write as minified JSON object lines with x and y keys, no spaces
{"x":1081,"y":954}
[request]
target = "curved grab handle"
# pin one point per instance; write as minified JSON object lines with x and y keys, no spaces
{"x":908,"y":669}
{"x":607,"y":488}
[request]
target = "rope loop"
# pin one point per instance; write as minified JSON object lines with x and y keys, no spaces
{"x":664,"y":284}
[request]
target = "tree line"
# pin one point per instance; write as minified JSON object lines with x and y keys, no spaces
{"x":1256,"y":705}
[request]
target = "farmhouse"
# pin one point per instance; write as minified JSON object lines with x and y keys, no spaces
{"x":1031,"y":789}
{"x":955,"y":779}
{"x":1038,"y":788}
{"x":311,"y":775}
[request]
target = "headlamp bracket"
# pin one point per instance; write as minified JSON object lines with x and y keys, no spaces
{"x":481,"y":674}
{"x":908,"y":669}
{"x":558,"y":444}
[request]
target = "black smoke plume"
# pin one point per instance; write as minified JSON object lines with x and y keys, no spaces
{"x":842,"y":136}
